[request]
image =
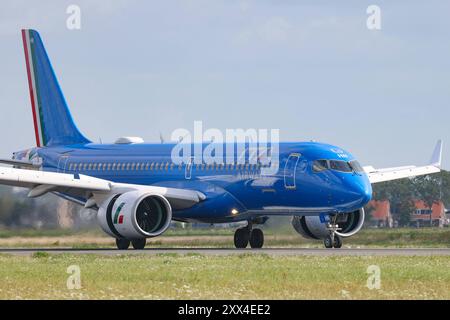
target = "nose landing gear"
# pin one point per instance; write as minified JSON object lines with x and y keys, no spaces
{"x":333,"y":240}
{"x":244,"y":236}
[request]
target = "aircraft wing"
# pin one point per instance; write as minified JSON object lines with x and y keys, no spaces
{"x":41,"y":182}
{"x":387,"y":174}
{"x":19,"y":163}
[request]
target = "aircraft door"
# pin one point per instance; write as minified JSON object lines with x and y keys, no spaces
{"x":290,"y":169}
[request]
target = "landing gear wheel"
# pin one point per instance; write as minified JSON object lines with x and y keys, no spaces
{"x":241,"y":237}
{"x":139,"y":244}
{"x":337,"y":243}
{"x":122,"y":244}
{"x":256,"y":238}
{"x":328,"y":242}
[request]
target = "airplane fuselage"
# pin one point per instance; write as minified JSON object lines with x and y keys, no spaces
{"x":235,"y":189}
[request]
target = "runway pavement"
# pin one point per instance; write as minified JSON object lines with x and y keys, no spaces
{"x":228,"y":251}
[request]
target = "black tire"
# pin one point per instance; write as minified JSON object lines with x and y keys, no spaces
{"x":241,"y":237}
{"x":139,"y":244}
{"x":337,"y":242}
{"x":256,"y":238}
{"x":122,"y":244}
{"x":328,"y":243}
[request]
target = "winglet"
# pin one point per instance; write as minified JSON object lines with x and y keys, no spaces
{"x":436,"y":158}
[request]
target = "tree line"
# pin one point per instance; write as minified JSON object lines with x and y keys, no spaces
{"x":402,"y":193}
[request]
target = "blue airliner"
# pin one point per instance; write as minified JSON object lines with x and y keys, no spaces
{"x":137,"y":188}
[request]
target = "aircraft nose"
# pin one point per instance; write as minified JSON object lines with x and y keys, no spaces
{"x":362,"y":191}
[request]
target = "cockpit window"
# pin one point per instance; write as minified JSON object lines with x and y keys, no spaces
{"x":337,"y":165}
{"x":320,"y":165}
{"x":356,"y":166}
{"x":340,"y":165}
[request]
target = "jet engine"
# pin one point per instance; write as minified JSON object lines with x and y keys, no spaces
{"x":312,"y":228}
{"x":135,"y":215}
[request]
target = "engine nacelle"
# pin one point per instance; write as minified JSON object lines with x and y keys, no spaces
{"x":312,"y":228}
{"x":135,"y":215}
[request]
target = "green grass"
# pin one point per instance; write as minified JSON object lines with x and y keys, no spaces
{"x":424,"y":237}
{"x":168,"y":276}
{"x":34,"y":233}
{"x":402,"y":237}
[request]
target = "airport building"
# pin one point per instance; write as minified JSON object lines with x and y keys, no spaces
{"x":422,"y":216}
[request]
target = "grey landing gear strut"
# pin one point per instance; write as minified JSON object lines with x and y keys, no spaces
{"x":332,"y":240}
{"x":245,"y":235}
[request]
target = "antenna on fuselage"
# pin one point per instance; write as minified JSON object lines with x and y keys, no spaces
{"x":161,"y":138}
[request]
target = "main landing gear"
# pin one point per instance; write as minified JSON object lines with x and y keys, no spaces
{"x":124,"y":244}
{"x":333,"y":240}
{"x":244,"y":236}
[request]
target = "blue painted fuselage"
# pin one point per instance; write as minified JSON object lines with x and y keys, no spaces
{"x":234,"y":191}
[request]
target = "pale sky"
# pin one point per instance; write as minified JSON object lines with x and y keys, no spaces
{"x":309,"y":68}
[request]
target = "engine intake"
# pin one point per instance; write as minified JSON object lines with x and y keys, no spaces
{"x":312,"y":228}
{"x":135,"y":215}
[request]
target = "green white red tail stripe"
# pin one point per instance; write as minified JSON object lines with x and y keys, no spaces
{"x":33,"y":85}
